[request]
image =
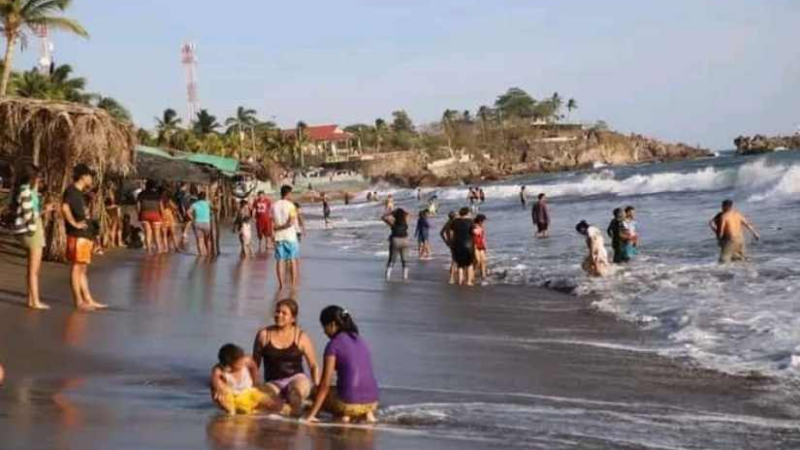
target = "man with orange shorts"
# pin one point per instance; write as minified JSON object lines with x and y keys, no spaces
{"x":262,"y":208}
{"x":80,"y":237}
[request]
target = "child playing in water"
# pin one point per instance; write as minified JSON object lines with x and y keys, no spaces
{"x":244,"y":229}
{"x":232,"y":387}
{"x":422,"y":234}
{"x":479,"y":236}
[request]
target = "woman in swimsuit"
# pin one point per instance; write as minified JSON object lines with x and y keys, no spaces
{"x":151,"y":213}
{"x":282,"y":348}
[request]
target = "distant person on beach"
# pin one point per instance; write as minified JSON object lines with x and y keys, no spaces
{"x":282,"y":348}
{"x":114,"y":214}
{"x":131,"y":235}
{"x":389,"y":204}
{"x":432,"y":206}
{"x":596,"y":263}
{"x":355,"y":396}
{"x":80,"y":237}
{"x":463,"y":244}
{"x":184,"y":200}
{"x":481,"y":195}
{"x":446,"y":233}
{"x":397,"y":221}
{"x":326,"y":211}
{"x":287,"y":248}
{"x":523,"y":199}
{"x":262,"y":207}
{"x":151,"y":210}
{"x":731,"y":234}
{"x":540,"y":215}
{"x":244,"y":229}
{"x":169,"y":224}
{"x":629,"y":237}
{"x":232,"y":384}
{"x":301,"y":223}
{"x":419,"y":194}
{"x":200,"y":215}
{"x":347,"y":198}
{"x":614,"y":231}
{"x":422,"y":233}
{"x":28,"y":209}
{"x":479,"y":236}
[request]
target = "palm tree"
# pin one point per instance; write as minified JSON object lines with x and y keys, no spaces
{"x":167,"y":125}
{"x":556,"y":102}
{"x":448,"y":119}
{"x":58,"y":85}
{"x":205,"y":123}
{"x":31,"y":84}
{"x":67,"y":88}
{"x":380,"y":131}
{"x":244,"y":118}
{"x":571,"y":105}
{"x":18,"y":17}
{"x":300,"y":141}
{"x":113,"y":107}
{"x":484,"y":114}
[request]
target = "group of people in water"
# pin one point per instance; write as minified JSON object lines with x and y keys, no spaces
{"x":288,"y":389}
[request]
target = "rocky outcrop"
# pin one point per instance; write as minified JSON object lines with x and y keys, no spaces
{"x":532,"y":154}
{"x":746,"y":145}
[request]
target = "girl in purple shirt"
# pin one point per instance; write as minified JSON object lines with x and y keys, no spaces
{"x":355,"y":396}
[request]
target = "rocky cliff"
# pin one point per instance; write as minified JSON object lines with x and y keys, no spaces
{"x":533,"y":154}
{"x":746,"y":145}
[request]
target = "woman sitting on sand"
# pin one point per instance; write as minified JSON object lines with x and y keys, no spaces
{"x":596,"y":263}
{"x":355,"y":396}
{"x":282,"y":348}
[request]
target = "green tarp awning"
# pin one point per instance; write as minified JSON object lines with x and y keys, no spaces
{"x":228,"y":166}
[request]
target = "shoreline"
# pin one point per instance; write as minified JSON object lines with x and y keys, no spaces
{"x":556,"y":354}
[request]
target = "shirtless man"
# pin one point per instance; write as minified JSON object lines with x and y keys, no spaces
{"x":730,"y":233}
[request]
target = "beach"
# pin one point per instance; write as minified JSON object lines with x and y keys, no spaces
{"x":502,"y":366}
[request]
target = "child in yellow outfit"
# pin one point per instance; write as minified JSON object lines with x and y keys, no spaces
{"x":232,"y":387}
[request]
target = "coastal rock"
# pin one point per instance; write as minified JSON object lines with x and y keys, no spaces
{"x":529,"y":153}
{"x":754,"y":145}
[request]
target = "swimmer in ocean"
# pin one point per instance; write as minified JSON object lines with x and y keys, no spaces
{"x":730,"y":234}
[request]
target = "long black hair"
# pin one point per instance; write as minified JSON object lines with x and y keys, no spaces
{"x":26,"y":176}
{"x":341,"y":317}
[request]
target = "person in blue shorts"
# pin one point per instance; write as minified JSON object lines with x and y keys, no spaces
{"x":287,"y":248}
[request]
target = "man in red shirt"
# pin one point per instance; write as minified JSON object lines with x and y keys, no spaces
{"x":262,"y":209}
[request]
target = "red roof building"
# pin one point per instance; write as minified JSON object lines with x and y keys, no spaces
{"x":328,"y":140}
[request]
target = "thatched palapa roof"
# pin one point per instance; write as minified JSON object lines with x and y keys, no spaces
{"x":59,"y":134}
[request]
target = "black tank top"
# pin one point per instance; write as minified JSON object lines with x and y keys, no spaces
{"x":282,"y":363}
{"x":462,"y":232}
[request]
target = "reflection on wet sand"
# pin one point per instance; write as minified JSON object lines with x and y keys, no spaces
{"x":238,"y":432}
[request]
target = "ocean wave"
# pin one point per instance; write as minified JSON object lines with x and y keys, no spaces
{"x":754,"y":176}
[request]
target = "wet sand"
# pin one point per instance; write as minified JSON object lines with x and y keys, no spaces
{"x":501,"y":366}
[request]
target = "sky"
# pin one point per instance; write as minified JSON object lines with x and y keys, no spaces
{"x":695,"y":71}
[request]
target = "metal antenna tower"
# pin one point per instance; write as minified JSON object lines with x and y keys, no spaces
{"x":45,"y":64}
{"x":189,"y":61}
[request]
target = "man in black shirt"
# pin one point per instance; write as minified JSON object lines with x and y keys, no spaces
{"x":80,"y":237}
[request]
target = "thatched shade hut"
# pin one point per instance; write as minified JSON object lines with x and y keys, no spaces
{"x":56,"y":136}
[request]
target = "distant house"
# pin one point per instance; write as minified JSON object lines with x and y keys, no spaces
{"x":326,"y":140}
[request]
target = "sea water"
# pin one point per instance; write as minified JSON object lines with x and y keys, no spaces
{"x":742,"y":318}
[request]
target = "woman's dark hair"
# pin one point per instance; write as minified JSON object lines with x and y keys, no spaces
{"x":582,"y":227}
{"x":291,"y":305}
{"x":399,"y":215}
{"x":150,"y":185}
{"x":341,"y":317}
{"x":202,"y":196}
{"x":463,"y":212}
{"x":26,"y":175}
{"x":480,"y":218}
{"x":229,"y":354}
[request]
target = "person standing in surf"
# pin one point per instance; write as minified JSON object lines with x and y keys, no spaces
{"x":397,"y":221}
{"x":326,"y":211}
{"x":463,"y":244}
{"x":731,"y":234}
{"x":355,"y":396}
{"x":541,"y":217}
{"x":262,"y":208}
{"x":523,"y":199}
{"x":479,"y":235}
{"x":629,"y":236}
{"x":596,"y":262}
{"x":287,"y":248}
{"x":614,"y":230}
{"x":422,"y":233}
{"x":446,"y":234}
